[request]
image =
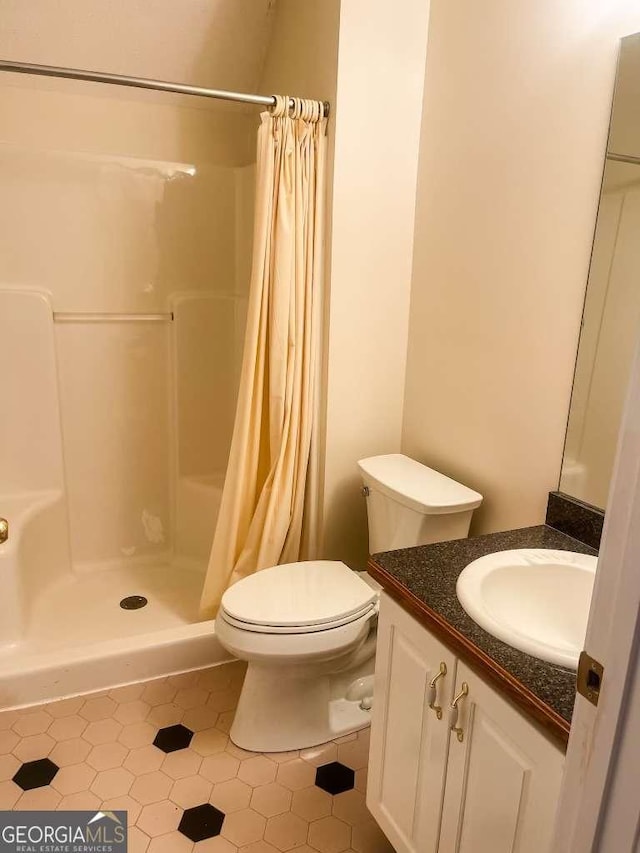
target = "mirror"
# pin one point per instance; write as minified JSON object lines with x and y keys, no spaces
{"x":611,"y":318}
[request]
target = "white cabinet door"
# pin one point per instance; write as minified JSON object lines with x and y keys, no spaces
{"x":408,"y":742}
{"x":503,"y":779}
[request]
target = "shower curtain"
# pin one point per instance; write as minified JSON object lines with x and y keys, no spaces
{"x":269,"y":477}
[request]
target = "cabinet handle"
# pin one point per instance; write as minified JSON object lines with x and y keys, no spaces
{"x":453,"y":712}
{"x":432,"y":691}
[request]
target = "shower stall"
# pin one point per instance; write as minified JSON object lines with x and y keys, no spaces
{"x":125,"y":243}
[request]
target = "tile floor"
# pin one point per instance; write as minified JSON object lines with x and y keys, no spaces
{"x":160,"y":750}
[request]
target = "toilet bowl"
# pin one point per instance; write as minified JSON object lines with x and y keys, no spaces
{"x":308,"y":630}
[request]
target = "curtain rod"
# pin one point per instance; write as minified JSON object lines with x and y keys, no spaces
{"x":140,"y":83}
{"x":623,"y":158}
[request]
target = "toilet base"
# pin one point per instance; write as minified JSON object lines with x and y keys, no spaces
{"x":282,"y":709}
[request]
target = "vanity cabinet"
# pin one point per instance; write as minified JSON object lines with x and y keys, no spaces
{"x":408,"y":753}
{"x":479,"y":780}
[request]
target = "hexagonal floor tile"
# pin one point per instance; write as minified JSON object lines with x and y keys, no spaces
{"x":137,"y":734}
{"x":144,"y":759}
{"x":191,"y":697}
{"x":257,"y":771}
{"x":270,"y":800}
{"x":311,"y":803}
{"x":200,"y":822}
{"x":219,"y":767}
{"x":158,"y":692}
{"x":35,"y":774}
{"x":39,"y":799}
{"x":65,"y":707}
{"x":151,"y":787}
{"x":209,"y":742}
{"x":8,"y":741}
{"x":102,"y":731}
{"x":106,"y":756}
{"x":112,"y":783}
{"x":166,"y":715}
{"x":68,"y":727}
{"x":200,"y":718}
{"x":124,"y":804}
{"x":286,"y":831}
{"x":329,"y":835}
{"x":128,"y":693}
{"x":9,"y":764}
{"x":33,"y":723}
{"x":73,"y":779}
{"x":98,"y":708}
{"x":172,"y":842}
{"x":132,"y":712}
{"x":159,"y":818}
{"x":244,"y":827}
{"x":10,"y":793}
{"x":172,"y":738}
{"x":190,"y":791}
{"x":296,"y":774}
{"x":231,"y":796}
{"x":334,"y":778}
{"x":34,"y":747}
{"x":350,"y":807}
{"x":70,"y":752}
{"x":80,"y":801}
{"x":181,"y":763}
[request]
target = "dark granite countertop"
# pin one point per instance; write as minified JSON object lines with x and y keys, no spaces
{"x":424,"y":579}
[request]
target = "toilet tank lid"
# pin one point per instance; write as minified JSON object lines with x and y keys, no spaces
{"x":417,"y":486}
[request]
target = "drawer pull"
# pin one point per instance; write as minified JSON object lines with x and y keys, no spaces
{"x":432,"y":691}
{"x":453,"y":712}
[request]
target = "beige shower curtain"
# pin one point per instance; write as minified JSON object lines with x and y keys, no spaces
{"x":266,"y":486}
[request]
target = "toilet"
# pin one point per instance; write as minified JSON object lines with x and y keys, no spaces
{"x":308,"y":629}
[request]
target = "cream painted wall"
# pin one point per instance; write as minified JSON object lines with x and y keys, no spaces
{"x":378,"y":111}
{"x":517,"y":101}
{"x":218,"y":43}
{"x":302,"y":55}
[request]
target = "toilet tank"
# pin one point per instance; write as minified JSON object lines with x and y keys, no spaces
{"x":409,"y":504}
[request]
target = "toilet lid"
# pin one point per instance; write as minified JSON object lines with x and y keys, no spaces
{"x":315,"y":592}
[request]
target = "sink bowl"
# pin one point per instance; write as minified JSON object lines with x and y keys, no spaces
{"x":536,"y":600}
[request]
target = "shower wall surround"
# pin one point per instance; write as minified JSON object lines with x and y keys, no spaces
{"x":116,"y":204}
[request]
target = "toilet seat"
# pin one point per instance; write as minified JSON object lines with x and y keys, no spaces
{"x":298,"y":598}
{"x":297,"y":629}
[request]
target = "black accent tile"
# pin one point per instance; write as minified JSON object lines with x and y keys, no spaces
{"x":35,"y":774}
{"x":575,"y":518}
{"x":201,"y":822}
{"x":172,"y":738}
{"x":335,"y":778}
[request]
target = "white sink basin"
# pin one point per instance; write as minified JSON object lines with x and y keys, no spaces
{"x":536,"y":600}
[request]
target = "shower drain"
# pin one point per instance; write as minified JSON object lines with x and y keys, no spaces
{"x":133,"y":602}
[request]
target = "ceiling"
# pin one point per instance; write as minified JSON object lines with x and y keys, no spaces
{"x":216,"y":43}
